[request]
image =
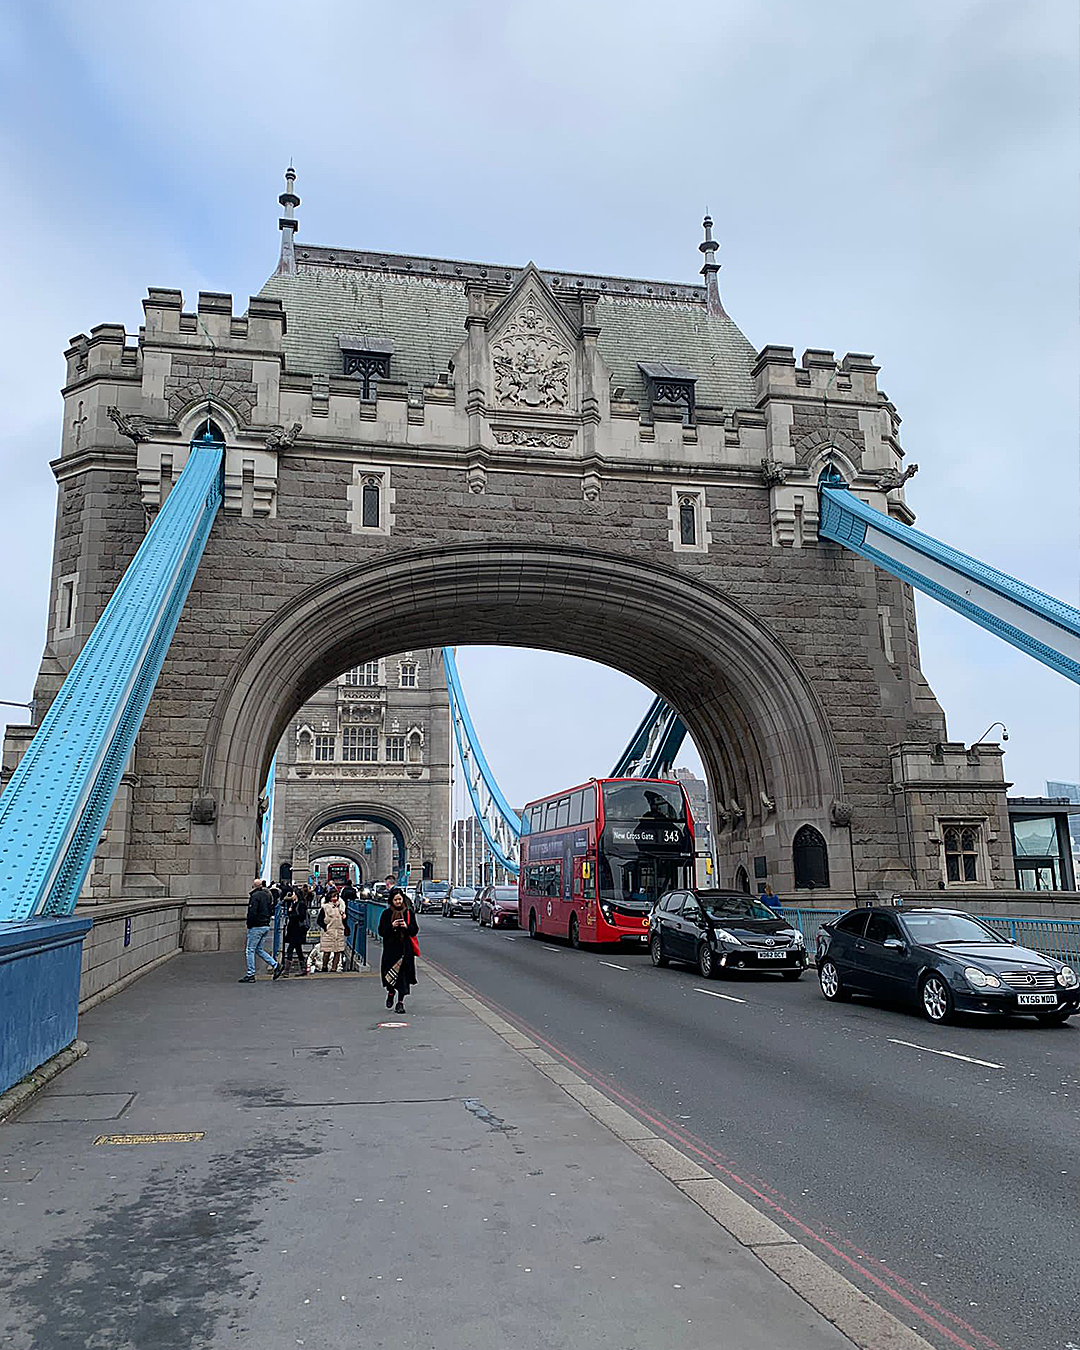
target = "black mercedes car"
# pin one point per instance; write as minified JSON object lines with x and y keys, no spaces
{"x":723,"y":931}
{"x":943,"y":960}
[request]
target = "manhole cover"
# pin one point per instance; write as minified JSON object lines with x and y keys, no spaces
{"x":64,"y":1106}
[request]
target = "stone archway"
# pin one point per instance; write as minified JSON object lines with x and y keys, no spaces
{"x":389,"y":818}
{"x":337,"y":851}
{"x":762,"y":733}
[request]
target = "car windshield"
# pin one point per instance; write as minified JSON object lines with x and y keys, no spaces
{"x":927,"y":929}
{"x":735,"y":907}
{"x":506,"y":893}
{"x":462,"y":893}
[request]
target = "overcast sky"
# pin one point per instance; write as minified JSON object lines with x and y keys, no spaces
{"x":898,"y":179}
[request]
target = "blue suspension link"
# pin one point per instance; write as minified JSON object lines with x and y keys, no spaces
{"x":1030,"y":620}
{"x":653,"y":747}
{"x":54,"y":809}
{"x":500,"y":824}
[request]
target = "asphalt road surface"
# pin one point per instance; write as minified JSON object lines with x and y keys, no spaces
{"x":937,"y":1167}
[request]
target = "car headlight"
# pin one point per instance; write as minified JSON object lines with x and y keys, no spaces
{"x":981,"y":979}
{"x":1066,"y":977}
{"x":724,"y":936}
{"x":797,"y":939}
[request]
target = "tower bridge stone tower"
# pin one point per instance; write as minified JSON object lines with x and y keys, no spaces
{"x":367,"y":758}
{"x":423,"y":452}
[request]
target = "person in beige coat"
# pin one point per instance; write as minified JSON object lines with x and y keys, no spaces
{"x":332,"y":922}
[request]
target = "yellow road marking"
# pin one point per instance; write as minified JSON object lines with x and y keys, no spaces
{"x":186,"y":1137}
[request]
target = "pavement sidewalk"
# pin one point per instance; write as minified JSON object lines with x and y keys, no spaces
{"x":356,"y":1182}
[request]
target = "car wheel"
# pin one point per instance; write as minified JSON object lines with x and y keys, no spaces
{"x":656,"y":950}
{"x":573,"y":932}
{"x":791,"y":974}
{"x":832,"y":987}
{"x":706,"y":962}
{"x":937,"y":999}
{"x":1054,"y":1019}
{"x":533,"y":933}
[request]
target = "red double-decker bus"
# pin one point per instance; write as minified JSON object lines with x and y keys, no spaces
{"x":595,"y":858}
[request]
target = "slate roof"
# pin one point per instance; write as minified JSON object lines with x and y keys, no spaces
{"x":417,"y":306}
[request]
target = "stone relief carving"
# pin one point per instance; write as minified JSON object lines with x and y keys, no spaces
{"x":841,"y":813}
{"x":556,"y":439}
{"x":892,"y":478}
{"x":282,"y":439}
{"x":134,"y":426}
{"x":590,"y":488}
{"x":531,"y":363}
{"x":768,"y":803}
{"x":203,"y":811}
{"x":773,"y":473}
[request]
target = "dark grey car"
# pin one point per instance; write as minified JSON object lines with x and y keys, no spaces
{"x":720,"y":932}
{"x":944,"y":961}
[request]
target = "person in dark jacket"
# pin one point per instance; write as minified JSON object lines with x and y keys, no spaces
{"x":397,"y":928}
{"x":260,"y":914}
{"x":296,"y":926}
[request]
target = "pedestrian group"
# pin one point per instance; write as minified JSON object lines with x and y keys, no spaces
{"x":398,"y":931}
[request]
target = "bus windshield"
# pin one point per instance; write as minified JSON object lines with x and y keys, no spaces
{"x":637,"y":883}
{"x":648,"y":803}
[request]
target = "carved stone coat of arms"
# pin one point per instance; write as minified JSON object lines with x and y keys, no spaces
{"x":531,"y":364}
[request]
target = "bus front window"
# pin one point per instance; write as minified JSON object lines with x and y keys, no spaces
{"x":639,"y":882}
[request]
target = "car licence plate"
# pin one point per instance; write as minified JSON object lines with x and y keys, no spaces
{"x":772,"y":956}
{"x":1037,"y":1000}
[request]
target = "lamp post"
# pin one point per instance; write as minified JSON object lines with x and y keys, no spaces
{"x":989,"y":729}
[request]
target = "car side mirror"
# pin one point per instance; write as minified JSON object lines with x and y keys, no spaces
{"x":895,"y":944}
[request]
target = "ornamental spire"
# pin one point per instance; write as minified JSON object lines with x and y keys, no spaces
{"x":709,"y":271}
{"x":288,"y":225}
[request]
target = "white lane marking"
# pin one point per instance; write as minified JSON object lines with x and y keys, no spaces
{"x":713,"y":994}
{"x":613,"y":966}
{"x":550,"y":949}
{"x":506,"y":938}
{"x":949,"y":1054}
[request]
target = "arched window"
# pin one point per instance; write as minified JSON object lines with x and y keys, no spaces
{"x":742,"y":881}
{"x":215,"y":432}
{"x":810,"y":856}
{"x":961,"y":853}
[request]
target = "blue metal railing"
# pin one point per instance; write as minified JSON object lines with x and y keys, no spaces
{"x":1057,"y":938}
{"x":54,"y":809}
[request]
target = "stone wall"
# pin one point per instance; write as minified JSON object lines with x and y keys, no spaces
{"x":126,"y":940}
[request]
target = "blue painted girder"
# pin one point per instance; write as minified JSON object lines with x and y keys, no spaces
{"x":1036,"y":623}
{"x":54,"y":809}
{"x":500,"y":824}
{"x":652,"y":748}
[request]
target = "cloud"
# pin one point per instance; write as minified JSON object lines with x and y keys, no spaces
{"x":895,"y":179}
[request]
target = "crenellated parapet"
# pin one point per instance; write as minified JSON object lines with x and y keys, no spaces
{"x":821,"y":413}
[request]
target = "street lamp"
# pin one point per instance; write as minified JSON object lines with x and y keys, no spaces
{"x":989,"y":729}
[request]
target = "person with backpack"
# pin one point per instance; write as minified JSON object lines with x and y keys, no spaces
{"x":398,"y":929}
{"x":260,"y":914}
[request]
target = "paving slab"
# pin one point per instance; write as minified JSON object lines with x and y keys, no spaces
{"x":330,"y":1177}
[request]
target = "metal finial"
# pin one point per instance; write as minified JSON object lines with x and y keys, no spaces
{"x":288,"y":224}
{"x":712,"y":287}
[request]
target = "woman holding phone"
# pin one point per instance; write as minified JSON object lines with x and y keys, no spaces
{"x":398,"y":929}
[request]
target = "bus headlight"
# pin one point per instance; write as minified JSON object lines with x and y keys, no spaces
{"x":605,"y":910}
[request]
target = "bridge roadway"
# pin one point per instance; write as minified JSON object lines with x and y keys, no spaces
{"x":949,"y":1182}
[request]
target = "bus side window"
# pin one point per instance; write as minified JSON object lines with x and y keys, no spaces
{"x":576,"y":802}
{"x":563,"y":817}
{"x":551,"y":811}
{"x":588,"y":804}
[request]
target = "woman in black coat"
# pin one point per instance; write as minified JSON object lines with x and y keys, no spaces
{"x":296,"y":926}
{"x":397,"y":929}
